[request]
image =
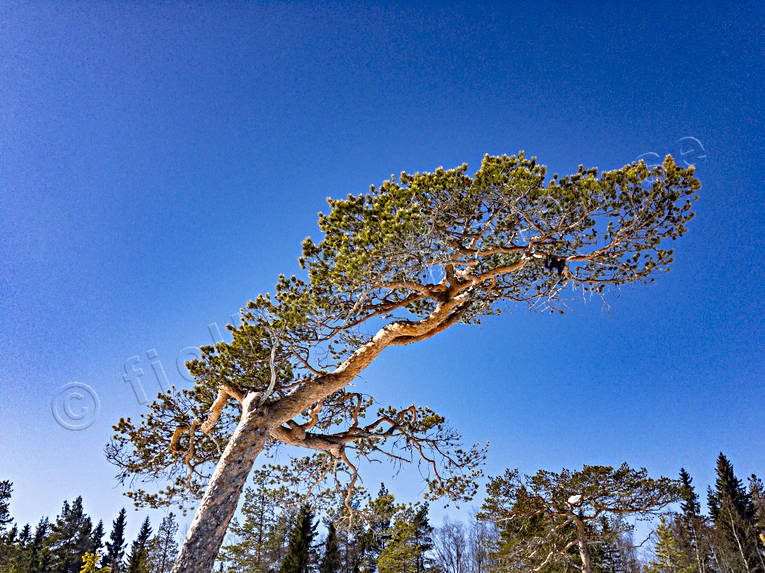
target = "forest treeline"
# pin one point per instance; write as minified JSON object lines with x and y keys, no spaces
{"x":71,"y":544}
{"x":581,"y":520}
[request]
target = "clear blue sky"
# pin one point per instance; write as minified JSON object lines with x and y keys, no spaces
{"x":161,"y":162}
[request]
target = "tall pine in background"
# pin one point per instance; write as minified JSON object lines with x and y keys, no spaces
{"x":115,"y":547}
{"x":757,"y":495}
{"x":137,"y":561}
{"x":423,"y":538}
{"x":408,"y":542}
{"x":6,"y":489}
{"x":299,"y":557}
{"x":38,"y":557}
{"x":163,"y":547}
{"x":261,"y":531}
{"x":351,"y":535}
{"x":381,"y":510}
{"x":70,"y":537}
{"x":331,"y":561}
{"x":733,"y":514}
{"x":692,"y":529}
{"x":97,"y":538}
{"x":22,"y":544}
{"x":669,"y":556}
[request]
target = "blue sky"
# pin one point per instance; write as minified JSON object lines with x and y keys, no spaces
{"x":160,"y":164}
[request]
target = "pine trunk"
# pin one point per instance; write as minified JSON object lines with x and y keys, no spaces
{"x":205,"y":536}
{"x":582,"y":544}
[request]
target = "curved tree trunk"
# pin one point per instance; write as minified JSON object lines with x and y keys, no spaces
{"x":205,"y":536}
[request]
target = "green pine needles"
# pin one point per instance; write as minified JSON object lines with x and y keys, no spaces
{"x":394,"y":266}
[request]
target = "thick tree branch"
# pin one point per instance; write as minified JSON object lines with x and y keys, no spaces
{"x":224,"y":393}
{"x":318,"y":388}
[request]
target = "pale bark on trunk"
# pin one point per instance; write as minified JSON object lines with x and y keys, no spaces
{"x":582,"y":544}
{"x":738,"y":540}
{"x":205,"y":536}
{"x":696,"y":548}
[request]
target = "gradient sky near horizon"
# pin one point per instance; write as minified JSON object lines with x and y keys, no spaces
{"x":160,"y":164}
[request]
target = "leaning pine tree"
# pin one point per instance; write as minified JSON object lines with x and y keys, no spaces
{"x":395,"y":266}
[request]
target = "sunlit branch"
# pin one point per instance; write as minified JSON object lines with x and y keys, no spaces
{"x":224,"y":393}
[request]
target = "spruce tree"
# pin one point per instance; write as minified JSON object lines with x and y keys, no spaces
{"x":17,"y":550}
{"x":6,"y":489}
{"x":733,"y":515}
{"x":6,"y":542}
{"x":84,"y":541}
{"x":374,"y":540}
{"x":729,"y":488}
{"x":331,"y":561}
{"x":605,"y":553}
{"x":8,"y":547}
{"x":97,"y":538}
{"x":37,"y":558}
{"x":70,"y":537}
{"x":115,"y":547}
{"x":10,"y":538}
{"x":139,"y":549}
{"x":164,"y":547}
{"x":423,"y":538}
{"x":757,"y":495}
{"x":298,"y":558}
{"x":11,"y":549}
{"x":689,"y":500}
{"x":692,"y":528}
{"x":25,"y":536}
{"x":278,"y":540}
